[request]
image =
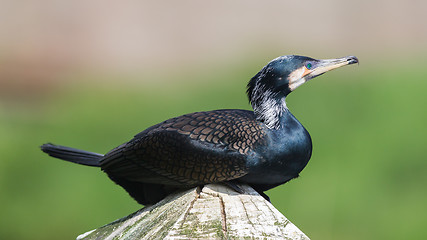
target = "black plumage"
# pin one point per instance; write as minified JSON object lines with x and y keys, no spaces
{"x":263,"y":148}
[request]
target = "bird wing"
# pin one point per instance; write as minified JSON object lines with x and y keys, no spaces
{"x":192,"y":149}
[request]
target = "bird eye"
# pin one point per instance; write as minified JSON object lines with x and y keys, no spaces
{"x":308,"y":66}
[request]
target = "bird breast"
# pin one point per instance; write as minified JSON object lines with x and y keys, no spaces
{"x":285,"y":154}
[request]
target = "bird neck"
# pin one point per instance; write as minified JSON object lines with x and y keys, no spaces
{"x":270,"y":111}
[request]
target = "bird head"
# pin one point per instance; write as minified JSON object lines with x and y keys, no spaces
{"x":269,"y":87}
{"x":284,"y":74}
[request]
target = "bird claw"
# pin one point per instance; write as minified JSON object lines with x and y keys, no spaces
{"x":233,"y":185}
{"x":265,"y":196}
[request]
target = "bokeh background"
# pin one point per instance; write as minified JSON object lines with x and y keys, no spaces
{"x":91,"y":74}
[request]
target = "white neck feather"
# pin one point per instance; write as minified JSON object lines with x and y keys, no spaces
{"x":270,"y":110}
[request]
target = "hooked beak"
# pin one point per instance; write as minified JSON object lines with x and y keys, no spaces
{"x":330,"y":64}
{"x":302,"y":75}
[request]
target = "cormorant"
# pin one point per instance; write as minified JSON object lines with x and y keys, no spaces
{"x":263,"y":148}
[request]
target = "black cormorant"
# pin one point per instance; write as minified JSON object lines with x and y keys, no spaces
{"x":263,"y":148}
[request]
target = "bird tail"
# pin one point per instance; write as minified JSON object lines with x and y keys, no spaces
{"x":72,"y":155}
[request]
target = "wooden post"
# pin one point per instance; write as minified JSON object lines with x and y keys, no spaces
{"x":215,"y":212}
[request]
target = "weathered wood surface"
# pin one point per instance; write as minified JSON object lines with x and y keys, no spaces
{"x":215,"y":212}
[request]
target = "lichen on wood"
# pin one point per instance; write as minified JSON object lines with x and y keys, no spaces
{"x":213,"y":212}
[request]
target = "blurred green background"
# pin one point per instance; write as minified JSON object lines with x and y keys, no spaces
{"x":91,"y":75}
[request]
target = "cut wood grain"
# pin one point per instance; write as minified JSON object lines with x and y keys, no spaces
{"x":214,"y":212}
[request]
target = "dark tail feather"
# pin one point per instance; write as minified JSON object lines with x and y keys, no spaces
{"x":72,"y":154}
